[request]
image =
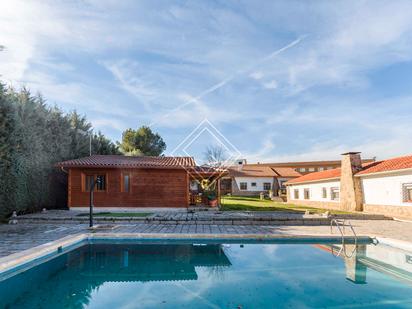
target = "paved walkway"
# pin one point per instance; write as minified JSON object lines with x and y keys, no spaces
{"x":14,"y":238}
{"x":204,"y":217}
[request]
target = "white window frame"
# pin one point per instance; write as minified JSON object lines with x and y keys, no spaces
{"x":306,"y":190}
{"x":332,"y":193}
{"x":240,"y":185}
{"x":324,"y":192}
{"x":296,"y":194}
{"x":406,"y":187}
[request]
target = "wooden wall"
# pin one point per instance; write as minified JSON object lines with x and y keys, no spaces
{"x":148,"y":188}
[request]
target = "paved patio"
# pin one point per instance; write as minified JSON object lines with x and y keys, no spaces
{"x":198,"y":217}
{"x":15,"y":238}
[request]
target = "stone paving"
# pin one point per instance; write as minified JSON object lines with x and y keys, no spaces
{"x":14,"y":238}
{"x":200,"y":217}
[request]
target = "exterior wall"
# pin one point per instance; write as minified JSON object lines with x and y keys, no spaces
{"x":148,"y":188}
{"x":250,"y":190}
{"x":315,"y":198}
{"x":383,"y":194}
{"x":350,"y":187}
{"x":385,"y":190}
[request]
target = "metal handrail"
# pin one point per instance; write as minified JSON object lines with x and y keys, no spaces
{"x":337,"y":223}
{"x":341,"y":223}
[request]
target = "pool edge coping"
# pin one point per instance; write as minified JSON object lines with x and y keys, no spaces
{"x":26,"y":257}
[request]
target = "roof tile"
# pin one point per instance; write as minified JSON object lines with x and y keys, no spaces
{"x":394,"y":164}
{"x":119,"y":161}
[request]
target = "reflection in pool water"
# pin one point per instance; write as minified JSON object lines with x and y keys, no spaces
{"x":214,"y":276}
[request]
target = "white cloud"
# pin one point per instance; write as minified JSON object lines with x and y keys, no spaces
{"x":256,"y":75}
{"x":198,"y":60}
{"x":130,"y":77}
{"x":271,"y":84}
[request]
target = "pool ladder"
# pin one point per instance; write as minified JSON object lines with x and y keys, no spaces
{"x":340,"y":224}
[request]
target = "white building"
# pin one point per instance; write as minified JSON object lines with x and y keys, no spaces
{"x":383,"y":187}
{"x":252,"y":180}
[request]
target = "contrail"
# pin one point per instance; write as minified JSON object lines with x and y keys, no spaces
{"x":231,"y":77}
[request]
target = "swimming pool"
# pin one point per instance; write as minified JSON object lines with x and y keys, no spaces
{"x":213,"y":274}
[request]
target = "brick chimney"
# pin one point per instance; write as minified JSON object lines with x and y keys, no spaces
{"x":350,"y":187}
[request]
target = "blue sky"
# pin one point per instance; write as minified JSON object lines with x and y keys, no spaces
{"x":281,"y":80}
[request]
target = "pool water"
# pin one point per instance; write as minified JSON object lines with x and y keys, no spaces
{"x":213,"y":276}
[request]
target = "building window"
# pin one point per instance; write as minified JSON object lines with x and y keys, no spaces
{"x":243,"y":186}
{"x":311,"y":169}
{"x":88,"y":182}
{"x":253,"y":184}
{"x":100,"y":184}
{"x":296,"y":194}
{"x":321,"y":168}
{"x":324,"y":193}
{"x":126,"y":183}
{"x":306,"y":194}
{"x":334,"y":194}
{"x":302,"y":169}
{"x":407,"y":192}
{"x":267,"y":186}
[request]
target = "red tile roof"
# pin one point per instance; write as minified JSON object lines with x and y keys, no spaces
{"x":118,"y":161}
{"x":327,"y":174}
{"x":286,"y":172}
{"x":252,"y":171}
{"x":394,"y":164}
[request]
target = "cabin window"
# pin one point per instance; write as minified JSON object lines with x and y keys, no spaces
{"x":407,"y":192}
{"x":306,"y":194}
{"x":253,"y":184}
{"x":100,"y":182}
{"x":267,"y":186}
{"x":324,"y":193}
{"x":334,"y":194}
{"x":88,"y":182}
{"x":126,"y":182}
{"x":296,"y":194}
{"x":243,"y":186}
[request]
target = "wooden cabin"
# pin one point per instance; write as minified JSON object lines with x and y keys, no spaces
{"x":126,"y":181}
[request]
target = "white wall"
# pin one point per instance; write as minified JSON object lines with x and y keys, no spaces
{"x":259,"y":182}
{"x":315,"y":189}
{"x":385,"y":189}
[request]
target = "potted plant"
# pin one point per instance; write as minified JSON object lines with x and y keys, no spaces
{"x":209,"y":189}
{"x":212,"y":198}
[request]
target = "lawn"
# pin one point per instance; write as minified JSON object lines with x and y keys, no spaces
{"x":256,"y":204}
{"x":117,"y":214}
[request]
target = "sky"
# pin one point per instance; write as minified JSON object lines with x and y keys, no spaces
{"x":277,"y":80}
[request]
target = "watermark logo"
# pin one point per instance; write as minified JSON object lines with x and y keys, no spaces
{"x":220,"y":153}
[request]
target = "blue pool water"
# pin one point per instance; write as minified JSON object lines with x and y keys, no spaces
{"x":214,"y":276}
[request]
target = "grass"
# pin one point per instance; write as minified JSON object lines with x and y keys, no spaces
{"x":117,"y":214}
{"x":253,"y":203}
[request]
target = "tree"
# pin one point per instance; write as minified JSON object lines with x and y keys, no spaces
{"x":215,"y":156}
{"x":142,"y":141}
{"x":102,"y":145}
{"x":33,"y":137}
